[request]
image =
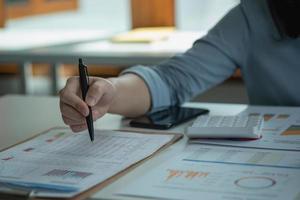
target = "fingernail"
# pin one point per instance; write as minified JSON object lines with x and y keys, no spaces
{"x":90,"y":101}
{"x":86,"y":112}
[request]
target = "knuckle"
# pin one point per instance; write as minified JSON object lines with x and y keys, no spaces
{"x":110,"y":85}
{"x":97,"y":88}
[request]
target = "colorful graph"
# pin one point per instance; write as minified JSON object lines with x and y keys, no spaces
{"x":67,"y":174}
{"x":185,"y":174}
{"x":292,"y":130}
{"x":267,"y":117}
{"x":283,"y":116}
{"x":255,"y":182}
{"x":273,"y":122}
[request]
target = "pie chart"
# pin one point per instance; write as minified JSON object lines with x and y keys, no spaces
{"x":255,"y":182}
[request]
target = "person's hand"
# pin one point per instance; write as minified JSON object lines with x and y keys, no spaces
{"x":100,"y":96}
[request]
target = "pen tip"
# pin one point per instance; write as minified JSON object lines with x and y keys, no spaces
{"x":80,"y":60}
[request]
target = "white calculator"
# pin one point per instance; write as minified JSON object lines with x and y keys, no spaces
{"x":218,"y":126}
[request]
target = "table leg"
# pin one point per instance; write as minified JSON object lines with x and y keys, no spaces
{"x":25,"y":75}
{"x":54,"y":69}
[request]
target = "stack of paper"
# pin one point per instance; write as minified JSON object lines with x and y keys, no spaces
{"x":144,"y":35}
{"x":62,"y":164}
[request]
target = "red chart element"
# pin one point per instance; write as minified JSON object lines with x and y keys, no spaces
{"x":28,"y":149}
{"x":7,"y":158}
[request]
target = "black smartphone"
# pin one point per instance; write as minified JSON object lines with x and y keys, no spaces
{"x":167,"y":117}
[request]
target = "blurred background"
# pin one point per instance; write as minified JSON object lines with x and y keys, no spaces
{"x":40,"y":40}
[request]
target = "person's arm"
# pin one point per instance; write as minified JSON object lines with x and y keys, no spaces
{"x":132,"y":97}
{"x":210,"y":61}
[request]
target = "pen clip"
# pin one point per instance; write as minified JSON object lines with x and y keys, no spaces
{"x":87,"y":75}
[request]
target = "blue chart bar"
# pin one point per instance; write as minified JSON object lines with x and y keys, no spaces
{"x":248,"y":164}
{"x":39,"y":186}
{"x":66,"y":174}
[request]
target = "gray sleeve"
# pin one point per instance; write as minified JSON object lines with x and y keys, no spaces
{"x":210,"y":61}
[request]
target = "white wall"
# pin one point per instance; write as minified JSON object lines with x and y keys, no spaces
{"x":92,"y":14}
{"x":201,"y":14}
{"x":115,"y":15}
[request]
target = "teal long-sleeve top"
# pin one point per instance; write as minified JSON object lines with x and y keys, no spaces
{"x":246,"y":38}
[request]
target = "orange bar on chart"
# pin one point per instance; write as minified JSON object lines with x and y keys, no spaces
{"x":292,"y":130}
{"x":267,"y":117}
{"x":283,"y":116}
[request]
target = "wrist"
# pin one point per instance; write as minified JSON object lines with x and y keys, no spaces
{"x":113,"y":81}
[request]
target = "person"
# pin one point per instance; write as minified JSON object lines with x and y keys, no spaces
{"x":260,"y":37}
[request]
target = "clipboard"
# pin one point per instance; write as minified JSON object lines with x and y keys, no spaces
{"x":17,"y":193}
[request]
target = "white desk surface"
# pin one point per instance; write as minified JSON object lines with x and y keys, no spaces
{"x":17,"y":40}
{"x":24,"y":116}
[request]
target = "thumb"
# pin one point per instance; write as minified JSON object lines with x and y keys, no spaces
{"x":95,"y":92}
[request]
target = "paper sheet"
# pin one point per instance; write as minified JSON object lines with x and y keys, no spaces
{"x":243,"y":156}
{"x":65,"y":159}
{"x":219,"y":173}
{"x":281,"y":129}
{"x":144,"y":35}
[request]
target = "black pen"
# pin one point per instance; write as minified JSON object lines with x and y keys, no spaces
{"x":84,"y":84}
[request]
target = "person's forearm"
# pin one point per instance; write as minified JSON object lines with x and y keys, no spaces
{"x":132,"y":96}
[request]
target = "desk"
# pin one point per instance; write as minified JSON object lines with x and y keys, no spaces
{"x":98,"y":51}
{"x":24,"y":116}
{"x":17,"y":46}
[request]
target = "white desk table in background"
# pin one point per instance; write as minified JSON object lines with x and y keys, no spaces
{"x":93,"y":47}
{"x":16,"y":46}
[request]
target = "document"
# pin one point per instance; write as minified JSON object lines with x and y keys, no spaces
{"x":221,"y":173}
{"x":242,"y":156}
{"x":70,"y":163}
{"x":281,"y":130}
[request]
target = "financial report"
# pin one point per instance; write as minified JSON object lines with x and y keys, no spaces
{"x":219,"y":173}
{"x":62,"y":160}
